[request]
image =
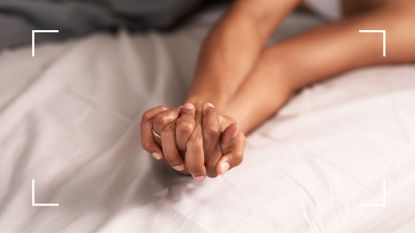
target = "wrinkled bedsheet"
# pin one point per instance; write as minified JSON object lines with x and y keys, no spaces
{"x":340,"y":157}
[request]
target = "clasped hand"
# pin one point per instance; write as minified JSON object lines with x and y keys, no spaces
{"x":195,"y":140}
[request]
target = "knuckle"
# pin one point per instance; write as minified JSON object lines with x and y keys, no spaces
{"x":185,"y":127}
{"x":146,"y":145}
{"x":162,"y":107}
{"x":213,"y":131}
{"x":161,"y":120}
{"x":146,"y":116}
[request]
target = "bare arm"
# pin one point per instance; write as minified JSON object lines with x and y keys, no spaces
{"x":232,"y":48}
{"x":320,"y":54}
{"x":226,"y":58}
{"x":250,"y":83}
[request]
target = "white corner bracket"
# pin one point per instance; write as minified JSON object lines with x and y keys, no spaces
{"x":34,"y":37}
{"x":383,"y":37}
{"x":381,"y":204}
{"x":40,"y":204}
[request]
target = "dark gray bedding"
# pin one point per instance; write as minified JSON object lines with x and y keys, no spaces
{"x":76,"y":17}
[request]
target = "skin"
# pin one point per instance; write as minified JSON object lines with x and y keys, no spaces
{"x":240,"y":82}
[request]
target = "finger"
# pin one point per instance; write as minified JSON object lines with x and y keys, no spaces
{"x":228,"y":135}
{"x":213,"y":160}
{"x":194,"y":158}
{"x":232,"y":144}
{"x":185,"y":125}
{"x":211,"y":128}
{"x":170,"y":152}
{"x":147,"y":140}
{"x":211,"y":135}
{"x":163,"y":119}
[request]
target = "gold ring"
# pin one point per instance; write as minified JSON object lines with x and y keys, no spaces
{"x":155,"y":134}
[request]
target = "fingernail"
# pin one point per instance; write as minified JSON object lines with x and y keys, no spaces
{"x":188,"y":106}
{"x":179,"y":167}
{"x":224,"y":167}
{"x":208,"y":106}
{"x":199,"y":178}
{"x":157,"y":155}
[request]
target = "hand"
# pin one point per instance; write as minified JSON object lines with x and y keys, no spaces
{"x":174,"y":126}
{"x":210,"y":142}
{"x":215,"y":140}
{"x":181,"y":137}
{"x":223,"y":141}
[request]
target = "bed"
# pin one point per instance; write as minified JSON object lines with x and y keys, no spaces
{"x":340,"y":157}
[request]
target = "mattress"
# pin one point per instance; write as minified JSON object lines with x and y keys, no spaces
{"x":339,"y":157}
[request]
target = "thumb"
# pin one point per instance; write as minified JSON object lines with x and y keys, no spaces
{"x":232,"y":144}
{"x":228,"y":135}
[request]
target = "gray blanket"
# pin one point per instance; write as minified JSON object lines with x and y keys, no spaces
{"x":76,"y":17}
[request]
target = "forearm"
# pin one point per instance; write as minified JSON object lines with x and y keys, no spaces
{"x":266,"y":90}
{"x":317,"y":55}
{"x":232,"y":48}
{"x":222,"y":63}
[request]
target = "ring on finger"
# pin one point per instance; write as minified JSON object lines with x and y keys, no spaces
{"x":156,"y":135}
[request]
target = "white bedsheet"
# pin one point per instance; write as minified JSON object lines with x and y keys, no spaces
{"x":69,"y":119}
